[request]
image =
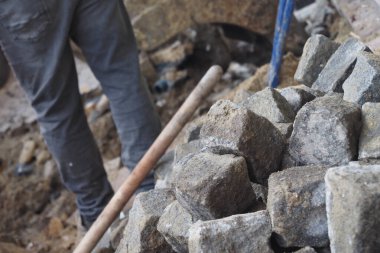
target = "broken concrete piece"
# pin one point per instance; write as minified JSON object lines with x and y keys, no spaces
{"x":141,"y":235}
{"x":296,"y":204}
{"x":352,"y":204}
{"x":369,"y":143}
{"x":239,"y":233}
{"x":363,"y":85}
{"x":27,"y":152}
{"x":316,"y":52}
{"x":270,"y":104}
{"x":211,"y":186}
{"x":249,"y":134}
{"x":296,"y":97}
{"x":326,"y":131}
{"x":174,"y":225}
{"x":339,"y":66}
{"x":306,"y":250}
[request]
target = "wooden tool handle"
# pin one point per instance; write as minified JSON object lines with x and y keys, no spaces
{"x":147,"y":163}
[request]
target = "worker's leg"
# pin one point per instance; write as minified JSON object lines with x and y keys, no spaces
{"x":34,"y":36}
{"x":103,"y":31}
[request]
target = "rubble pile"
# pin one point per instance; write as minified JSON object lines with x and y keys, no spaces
{"x":289,"y":170}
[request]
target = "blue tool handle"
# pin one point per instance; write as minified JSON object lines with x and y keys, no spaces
{"x":284,"y":17}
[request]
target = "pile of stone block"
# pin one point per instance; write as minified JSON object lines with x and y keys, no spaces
{"x":291,"y":170}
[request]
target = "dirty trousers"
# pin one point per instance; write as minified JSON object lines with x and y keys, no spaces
{"x":34,"y":36}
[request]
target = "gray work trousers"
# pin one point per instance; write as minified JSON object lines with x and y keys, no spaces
{"x":34,"y":35}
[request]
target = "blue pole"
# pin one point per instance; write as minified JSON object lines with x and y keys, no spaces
{"x":284,"y":17}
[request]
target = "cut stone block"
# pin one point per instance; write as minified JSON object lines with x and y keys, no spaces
{"x":239,"y":233}
{"x":363,"y":85}
{"x":211,"y":186}
{"x":296,"y":204}
{"x":339,"y":66}
{"x":141,"y":235}
{"x":316,"y":52}
{"x":369,"y":144}
{"x":174,"y":225}
{"x":269,"y":104}
{"x":296,"y":97}
{"x":253,"y":136}
{"x":353,"y":204}
{"x":326,"y":131}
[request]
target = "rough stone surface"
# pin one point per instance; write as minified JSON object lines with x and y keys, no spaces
{"x":242,"y":95}
{"x":353,"y":204}
{"x":211,"y":186}
{"x":296,"y":204}
{"x":306,"y":250}
{"x":326,"y":131}
{"x":369,"y":143}
{"x":164,"y":170}
{"x":285,"y":129}
{"x":270,"y":104}
{"x":253,"y":136}
{"x":339,"y":66}
{"x":297,"y":97}
{"x":239,"y":233}
{"x":174,"y":225}
{"x":174,"y":16}
{"x":316,"y":52}
{"x":141,"y":235}
{"x":363,"y":85}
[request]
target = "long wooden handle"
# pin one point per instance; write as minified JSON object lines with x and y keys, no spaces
{"x":154,"y":153}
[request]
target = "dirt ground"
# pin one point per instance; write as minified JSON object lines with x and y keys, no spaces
{"x":36,"y":211}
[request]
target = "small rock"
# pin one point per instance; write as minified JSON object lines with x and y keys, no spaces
{"x":141,"y":235}
{"x":285,"y":129}
{"x":54,"y":228}
{"x":117,"y":232}
{"x":147,"y":69}
{"x":174,"y":225}
{"x":306,"y":250}
{"x":296,"y":204}
{"x":188,"y":148}
{"x":352,"y":204}
{"x":270,"y":104}
{"x":363,"y":85}
{"x":251,"y":135}
{"x":50,"y":170}
{"x":42,"y":157}
{"x":27,"y":152}
{"x":242,"y":95}
{"x":211,"y":186}
{"x":339,"y":66}
{"x":163,"y":171}
{"x":24,"y":169}
{"x":316,"y":52}
{"x":369,"y":144}
{"x":296,"y":97}
{"x":193,"y":128}
{"x":261,"y":193}
{"x":239,"y":233}
{"x":172,"y":55}
{"x":326,"y":131}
